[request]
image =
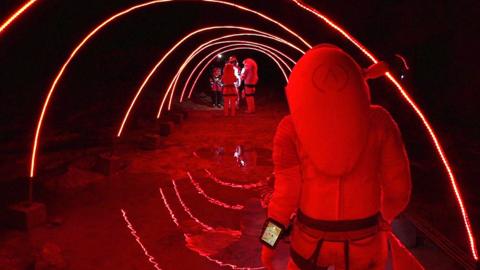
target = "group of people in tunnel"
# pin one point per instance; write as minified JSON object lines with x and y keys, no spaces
{"x":341,"y":170}
{"x":233,"y":84}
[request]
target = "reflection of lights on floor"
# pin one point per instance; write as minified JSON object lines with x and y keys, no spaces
{"x":187,"y":209}
{"x":210,"y":199}
{"x":151,"y":259}
{"x":199,"y":252}
{"x":233,"y":185}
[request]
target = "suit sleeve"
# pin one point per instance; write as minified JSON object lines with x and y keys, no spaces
{"x":286,"y":162}
{"x":395,"y":172}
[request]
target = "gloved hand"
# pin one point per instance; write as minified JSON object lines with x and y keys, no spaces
{"x":267,"y":257}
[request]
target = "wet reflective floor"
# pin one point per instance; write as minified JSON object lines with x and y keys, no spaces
{"x":193,"y":202}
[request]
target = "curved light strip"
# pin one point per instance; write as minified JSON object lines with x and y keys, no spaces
{"x":267,"y":48}
{"x":211,"y":56}
{"x":16,"y":14}
{"x":175,"y":46}
{"x":419,"y":113}
{"x":209,"y":44}
{"x":187,"y":210}
{"x":230,"y":184}
{"x":186,"y":236}
{"x":108,"y":21}
{"x":151,"y":259}
{"x":202,"y":70}
{"x":210,"y":199}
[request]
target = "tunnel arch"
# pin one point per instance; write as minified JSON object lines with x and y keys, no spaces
{"x":171,"y":87}
{"x":221,"y":42}
{"x":108,"y":21}
{"x":438,"y":147}
{"x":15,"y":15}
{"x":176,"y":45}
{"x":221,"y":51}
{"x":202,"y":70}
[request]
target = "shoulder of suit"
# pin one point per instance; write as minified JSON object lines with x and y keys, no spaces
{"x":381,"y":118}
{"x":286,"y":125}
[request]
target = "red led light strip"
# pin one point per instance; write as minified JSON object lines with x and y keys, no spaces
{"x":210,"y":199}
{"x":419,"y":113}
{"x":270,"y":50}
{"x":188,"y":211}
{"x":208,"y":63}
{"x":151,"y":259}
{"x":211,"y":56}
{"x":171,"y":50}
{"x":176,"y":45}
{"x":98,"y":28}
{"x":186,"y":236}
{"x":232,"y":185}
{"x":16,"y":14}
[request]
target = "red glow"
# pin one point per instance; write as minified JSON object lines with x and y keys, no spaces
{"x":212,"y":43}
{"x":188,"y":211}
{"x":199,"y":252}
{"x":232,"y":185}
{"x":210,"y":199}
{"x":151,"y":259}
{"x":419,"y":113}
{"x":212,"y":58}
{"x":208,"y":63}
{"x":177,"y":44}
{"x":16,"y":14}
{"x":432,"y":134}
{"x":98,"y":28}
{"x":170,"y":51}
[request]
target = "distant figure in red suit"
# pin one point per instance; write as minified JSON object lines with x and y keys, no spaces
{"x":236,"y":70}
{"x":229,"y":90}
{"x":339,"y":163}
{"x":216,"y":87}
{"x":249,"y":76}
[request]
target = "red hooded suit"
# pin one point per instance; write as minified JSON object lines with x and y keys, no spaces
{"x":340,"y":164}
{"x":250,"y":77}
{"x":229,"y":90}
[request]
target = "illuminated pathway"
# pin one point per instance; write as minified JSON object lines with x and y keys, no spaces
{"x":139,"y":219}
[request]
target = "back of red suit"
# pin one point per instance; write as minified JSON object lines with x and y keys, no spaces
{"x":340,"y":164}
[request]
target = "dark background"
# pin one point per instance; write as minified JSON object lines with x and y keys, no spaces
{"x":439,"y":39}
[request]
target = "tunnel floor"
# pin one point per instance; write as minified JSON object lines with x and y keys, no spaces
{"x":119,"y":221}
{"x":194,"y":201}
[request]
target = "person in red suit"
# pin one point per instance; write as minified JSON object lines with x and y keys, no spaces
{"x":229,"y":90}
{"x":340,"y":166}
{"x":249,"y":75}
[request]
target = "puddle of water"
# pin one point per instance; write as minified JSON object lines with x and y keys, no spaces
{"x":242,"y":156}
